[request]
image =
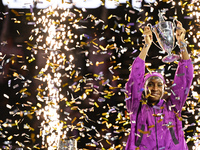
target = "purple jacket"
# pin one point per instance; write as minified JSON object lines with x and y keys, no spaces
{"x":157,"y":127}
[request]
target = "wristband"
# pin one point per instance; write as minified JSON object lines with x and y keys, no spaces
{"x":182,"y":45}
{"x":146,"y":45}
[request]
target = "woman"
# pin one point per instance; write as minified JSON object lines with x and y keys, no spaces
{"x":156,"y":123}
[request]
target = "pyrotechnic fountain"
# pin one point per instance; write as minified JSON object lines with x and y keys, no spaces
{"x":52,"y":37}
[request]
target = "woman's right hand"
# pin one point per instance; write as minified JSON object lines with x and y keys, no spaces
{"x":148,"y":37}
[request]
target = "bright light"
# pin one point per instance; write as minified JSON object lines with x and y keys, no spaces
{"x":89,"y":4}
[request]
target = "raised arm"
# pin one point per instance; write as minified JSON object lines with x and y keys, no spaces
{"x":180,"y":36}
{"x":148,"y":38}
{"x":182,"y":82}
{"x":184,"y":73}
{"x":134,"y":86}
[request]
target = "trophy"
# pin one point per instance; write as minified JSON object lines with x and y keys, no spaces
{"x":164,"y":32}
{"x":70,"y":144}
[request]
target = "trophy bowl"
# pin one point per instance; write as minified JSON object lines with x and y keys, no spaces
{"x":164,"y":32}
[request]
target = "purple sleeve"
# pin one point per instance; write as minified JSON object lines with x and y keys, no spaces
{"x":182,"y":82}
{"x":135,"y":84}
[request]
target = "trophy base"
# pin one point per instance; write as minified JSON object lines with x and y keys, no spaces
{"x":170,"y":58}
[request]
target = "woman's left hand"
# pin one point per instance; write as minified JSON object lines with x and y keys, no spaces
{"x":180,"y":32}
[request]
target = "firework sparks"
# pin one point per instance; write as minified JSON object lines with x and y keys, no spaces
{"x":59,"y":40}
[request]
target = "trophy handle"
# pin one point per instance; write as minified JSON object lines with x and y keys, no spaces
{"x":174,"y":27}
{"x":155,"y":32}
{"x":174,"y":24}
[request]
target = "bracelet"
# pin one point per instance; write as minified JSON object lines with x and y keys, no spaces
{"x":146,"y":45}
{"x":182,"y":45}
{"x":182,"y":50}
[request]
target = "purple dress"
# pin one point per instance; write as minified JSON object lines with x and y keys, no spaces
{"x":157,"y":127}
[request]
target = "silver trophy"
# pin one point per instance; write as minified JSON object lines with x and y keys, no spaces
{"x":70,"y":144}
{"x":164,"y":32}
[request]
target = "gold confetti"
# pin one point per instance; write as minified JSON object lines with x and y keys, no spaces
{"x":143,"y":132}
{"x":10,"y":137}
{"x":152,"y":126}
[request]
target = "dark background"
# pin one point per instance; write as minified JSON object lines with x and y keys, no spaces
{"x":14,"y":39}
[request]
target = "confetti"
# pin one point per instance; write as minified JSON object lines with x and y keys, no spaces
{"x":60,"y":41}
